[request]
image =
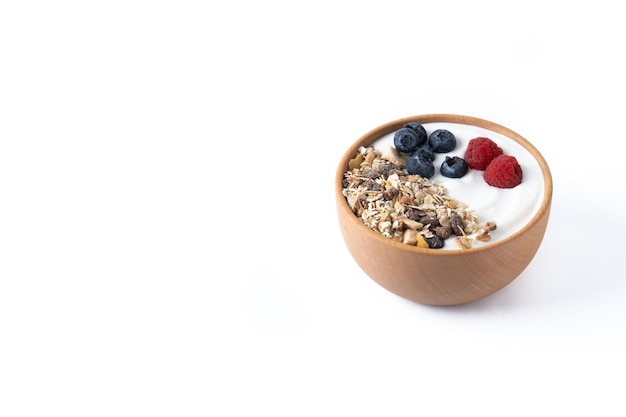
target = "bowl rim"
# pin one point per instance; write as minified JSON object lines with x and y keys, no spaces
{"x":374,"y":134}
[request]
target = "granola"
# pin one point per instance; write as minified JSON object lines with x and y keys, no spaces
{"x":407,"y":208}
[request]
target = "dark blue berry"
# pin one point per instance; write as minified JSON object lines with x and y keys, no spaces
{"x":405,"y":140}
{"x":421,"y":166}
{"x":424,"y":152}
{"x":442,"y":141}
{"x":453,"y":167}
{"x":422,"y":136}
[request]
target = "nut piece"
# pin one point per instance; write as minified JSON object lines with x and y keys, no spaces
{"x":410,"y":237}
{"x":482,"y":235}
{"x":392,"y":155}
{"x":355,"y":162}
{"x":490,"y":226}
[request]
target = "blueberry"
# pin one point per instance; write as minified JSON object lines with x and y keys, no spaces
{"x":422,"y":136}
{"x":421,"y":166}
{"x":442,"y":141}
{"x":405,"y":140}
{"x":425,"y":152}
{"x":453,"y":167}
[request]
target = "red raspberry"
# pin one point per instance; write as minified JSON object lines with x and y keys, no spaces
{"x":480,"y":151}
{"x":503,"y":172}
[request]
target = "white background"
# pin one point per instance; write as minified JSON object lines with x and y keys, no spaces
{"x":168,"y":237}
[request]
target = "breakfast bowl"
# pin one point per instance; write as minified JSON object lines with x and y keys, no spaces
{"x":442,"y":239}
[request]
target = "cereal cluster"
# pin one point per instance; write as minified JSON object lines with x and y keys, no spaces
{"x":407,"y":208}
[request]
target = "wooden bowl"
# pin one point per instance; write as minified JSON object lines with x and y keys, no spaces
{"x":436,"y":276}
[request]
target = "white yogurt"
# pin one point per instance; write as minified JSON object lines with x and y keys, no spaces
{"x":509,"y":208}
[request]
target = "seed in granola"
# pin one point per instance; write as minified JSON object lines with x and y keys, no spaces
{"x":434,"y":242}
{"x":430,"y":220}
{"x":390,"y":193}
{"x":399,"y":207}
{"x":456,"y":222}
{"x":370,"y":173}
{"x":443,"y":232}
{"x":363,"y":203}
{"x":388,"y":169}
{"x":412,"y":214}
{"x":383,"y":227}
{"x":371,"y":185}
{"x":405,"y":199}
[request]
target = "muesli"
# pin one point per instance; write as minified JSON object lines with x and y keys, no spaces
{"x":408,"y":208}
